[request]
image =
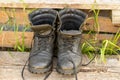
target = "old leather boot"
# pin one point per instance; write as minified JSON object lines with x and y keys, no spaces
{"x":40,"y":58}
{"x":69,"y":35}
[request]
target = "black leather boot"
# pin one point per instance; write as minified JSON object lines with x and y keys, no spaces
{"x":69,"y":35}
{"x":40,"y":59}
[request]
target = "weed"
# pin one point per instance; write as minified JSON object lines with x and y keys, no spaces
{"x":108,"y":47}
{"x":11,"y":22}
{"x":21,"y":47}
{"x":24,"y":5}
{"x":1,"y":28}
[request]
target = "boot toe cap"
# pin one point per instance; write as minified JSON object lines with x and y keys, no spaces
{"x":68,"y":64}
{"x":39,"y":65}
{"x":39,"y":62}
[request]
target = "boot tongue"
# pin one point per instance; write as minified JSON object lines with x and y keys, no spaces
{"x":70,"y":33}
{"x":44,"y":29}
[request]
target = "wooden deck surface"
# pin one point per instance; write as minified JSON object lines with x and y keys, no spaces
{"x":11,"y":66}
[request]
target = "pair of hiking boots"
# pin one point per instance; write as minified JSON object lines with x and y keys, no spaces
{"x":64,"y":26}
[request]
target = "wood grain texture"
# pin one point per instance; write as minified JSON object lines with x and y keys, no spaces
{"x":10,"y":38}
{"x":116,"y":19}
{"x":116,"y":16}
{"x":11,"y":66}
{"x":21,"y":17}
{"x":81,"y":4}
{"x":115,"y":12}
{"x":60,"y":4}
{"x":105,"y":25}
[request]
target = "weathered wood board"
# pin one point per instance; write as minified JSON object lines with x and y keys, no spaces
{"x":10,"y":38}
{"x":21,"y":17}
{"x":116,"y":16}
{"x":11,"y":65}
{"x":113,"y":5}
{"x":81,"y":4}
{"x":105,"y":25}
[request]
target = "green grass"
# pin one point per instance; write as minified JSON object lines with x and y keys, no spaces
{"x":107,"y":47}
{"x":19,"y":45}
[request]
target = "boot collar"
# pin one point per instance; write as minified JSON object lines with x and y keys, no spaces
{"x":70,"y":33}
{"x":45,"y":30}
{"x":44,"y":27}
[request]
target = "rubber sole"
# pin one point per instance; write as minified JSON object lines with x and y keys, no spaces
{"x":38,"y":71}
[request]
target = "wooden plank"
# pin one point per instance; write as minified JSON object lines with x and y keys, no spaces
{"x":99,"y":37}
{"x":116,"y":16}
{"x":10,"y":38}
{"x":105,"y":25}
{"x":14,"y":73}
{"x":79,"y":4}
{"x":21,"y":17}
{"x":116,"y":12}
{"x":64,"y":1}
{"x":11,"y":67}
{"x":61,"y":4}
{"x":116,"y":19}
{"x":18,"y":59}
{"x":117,"y":25}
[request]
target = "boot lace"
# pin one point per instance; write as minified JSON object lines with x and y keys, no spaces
{"x":43,"y":42}
{"x":68,"y":45}
{"x":43,"y":46}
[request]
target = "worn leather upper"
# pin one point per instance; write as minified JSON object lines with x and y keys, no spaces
{"x":42,"y":24}
{"x":69,"y":36}
{"x":69,"y":49}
